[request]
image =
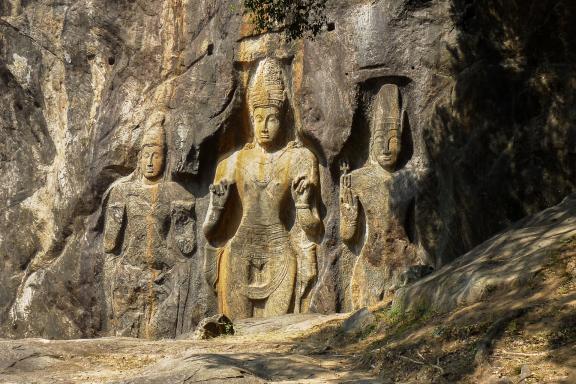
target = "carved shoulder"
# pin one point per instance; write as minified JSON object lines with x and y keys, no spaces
{"x":358,"y":174}
{"x":362,"y":177}
{"x":303,"y":160}
{"x":118,"y":193}
{"x":226,"y":168}
{"x":306,"y":154}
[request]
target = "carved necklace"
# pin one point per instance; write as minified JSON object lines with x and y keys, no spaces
{"x":263,"y":183}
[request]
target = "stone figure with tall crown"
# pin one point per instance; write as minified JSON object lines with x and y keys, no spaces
{"x":266,"y":263}
{"x":149,"y":234}
{"x":368,"y":204}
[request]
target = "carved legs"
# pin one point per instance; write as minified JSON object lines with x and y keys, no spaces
{"x":232,"y":279}
{"x":368,"y":283}
{"x":279,"y":302}
{"x":232,"y":299}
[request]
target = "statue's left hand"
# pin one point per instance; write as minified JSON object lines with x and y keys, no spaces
{"x":302,"y":190}
{"x":184,"y":226}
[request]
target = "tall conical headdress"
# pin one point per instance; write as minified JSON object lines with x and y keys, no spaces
{"x":267,"y":86}
{"x":154,"y":134}
{"x":386,"y":112}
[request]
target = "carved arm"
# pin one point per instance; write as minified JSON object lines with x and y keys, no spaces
{"x":184,"y":226}
{"x":218,"y":196}
{"x":348,"y":209}
{"x":113,"y":223}
{"x":302,"y":191}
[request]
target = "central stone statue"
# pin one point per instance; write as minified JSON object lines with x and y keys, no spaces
{"x":267,"y":264}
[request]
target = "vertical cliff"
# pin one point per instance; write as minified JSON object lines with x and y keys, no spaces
{"x":487,"y":90}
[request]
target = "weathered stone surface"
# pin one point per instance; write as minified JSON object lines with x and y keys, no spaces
{"x":377,"y":251}
{"x":488,"y":135}
{"x":509,"y":261}
{"x":263,"y":265}
{"x":213,"y":326}
{"x":92,"y":81}
{"x":286,"y":324}
{"x":233,"y":359}
{"x":149,"y":235}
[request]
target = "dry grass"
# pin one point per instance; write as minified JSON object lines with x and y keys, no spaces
{"x":532,"y":327}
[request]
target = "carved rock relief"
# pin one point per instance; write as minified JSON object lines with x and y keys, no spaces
{"x":262,"y":225}
{"x":149,"y":234}
{"x":267,"y":264}
{"x":378,"y":255}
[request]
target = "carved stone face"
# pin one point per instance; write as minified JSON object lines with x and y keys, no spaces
{"x":266,"y":122}
{"x":385,"y":149}
{"x":152,"y":162}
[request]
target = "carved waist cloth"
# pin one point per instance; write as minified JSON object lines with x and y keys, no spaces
{"x":263,"y":247}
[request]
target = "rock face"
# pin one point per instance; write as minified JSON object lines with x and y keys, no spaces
{"x":508,"y":262}
{"x":486,"y":99}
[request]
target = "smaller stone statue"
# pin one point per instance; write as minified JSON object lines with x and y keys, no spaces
{"x":150,"y":232}
{"x":367,"y":200}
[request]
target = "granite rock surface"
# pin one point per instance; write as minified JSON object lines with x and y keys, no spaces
{"x":487,"y":92}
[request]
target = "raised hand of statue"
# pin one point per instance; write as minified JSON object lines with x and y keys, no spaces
{"x":348,"y":201}
{"x":302,"y":191}
{"x":344,"y":167}
{"x":219,"y":193}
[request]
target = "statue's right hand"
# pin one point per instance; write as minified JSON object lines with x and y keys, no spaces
{"x":344,"y":168}
{"x":219,"y":193}
{"x":348,"y":201}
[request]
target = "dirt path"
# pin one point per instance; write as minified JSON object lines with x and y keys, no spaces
{"x":265,"y":351}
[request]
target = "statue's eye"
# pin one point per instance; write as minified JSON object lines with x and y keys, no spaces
{"x":259,"y":118}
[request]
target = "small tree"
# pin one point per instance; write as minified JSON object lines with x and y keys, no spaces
{"x":300,"y":18}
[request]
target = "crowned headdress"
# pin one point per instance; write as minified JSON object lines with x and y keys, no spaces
{"x":154,"y":134}
{"x":267,"y":86}
{"x":386,"y":114}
